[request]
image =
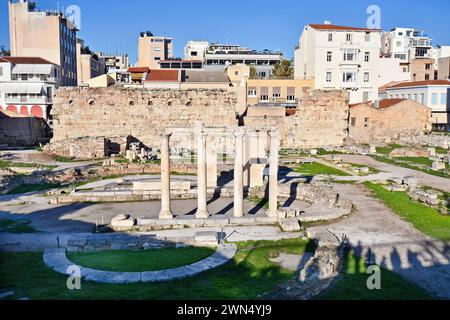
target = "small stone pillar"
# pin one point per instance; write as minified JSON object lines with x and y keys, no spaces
{"x":211,"y":162}
{"x":273,"y":173}
{"x":166,"y":212}
{"x":202,"y":210}
{"x":238,"y":174}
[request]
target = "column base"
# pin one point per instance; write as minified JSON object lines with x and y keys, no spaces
{"x":272,"y":213}
{"x":165,"y":215}
{"x":202,"y":214}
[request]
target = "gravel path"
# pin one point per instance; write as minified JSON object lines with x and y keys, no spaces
{"x":391,"y":242}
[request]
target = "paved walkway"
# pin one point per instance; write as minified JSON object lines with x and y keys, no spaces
{"x":380,"y":236}
{"x":57,"y":260}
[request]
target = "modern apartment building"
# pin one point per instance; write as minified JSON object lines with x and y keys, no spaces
{"x":114,"y":63}
{"x":434,"y":93}
{"x":340,"y":57}
{"x":152,"y":50}
{"x":27,"y":85}
{"x":89,"y":64}
{"x":46,"y":34}
{"x":413,"y":48}
{"x":217,"y":57}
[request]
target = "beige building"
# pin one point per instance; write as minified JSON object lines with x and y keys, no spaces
{"x":45,"y":34}
{"x":392,"y":117}
{"x":152,"y":50}
{"x":422,"y":69}
{"x":89,"y":65}
{"x":444,"y":68}
{"x":277,"y":91}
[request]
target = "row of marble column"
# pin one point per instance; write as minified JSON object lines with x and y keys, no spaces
{"x":202,"y":185}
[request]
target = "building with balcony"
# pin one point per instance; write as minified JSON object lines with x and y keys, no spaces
{"x":89,"y":64}
{"x":413,"y":48}
{"x":27,"y":85}
{"x":217,"y":57}
{"x":46,"y":34}
{"x":152,"y":50}
{"x":340,"y":57}
{"x":434,"y":93}
{"x":116,"y":66}
{"x":181,"y":64}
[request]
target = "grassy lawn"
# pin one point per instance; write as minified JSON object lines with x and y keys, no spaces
{"x":25,"y":188}
{"x":316,"y":168}
{"x":418,"y":160}
{"x":139,"y":261}
{"x":9,"y":164}
{"x":352,"y":284}
{"x":425,"y":219}
{"x":248,"y":275}
{"x":388,"y":149}
{"x":15,"y":226}
{"x":410,"y":166}
{"x":323,"y":152}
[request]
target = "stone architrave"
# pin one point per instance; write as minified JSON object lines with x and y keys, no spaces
{"x":202,"y":210}
{"x":166,"y":212}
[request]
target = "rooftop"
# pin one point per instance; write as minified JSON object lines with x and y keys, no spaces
{"x":138,"y":69}
{"x":386,"y":103}
{"x":421,"y":84}
{"x":205,"y":76}
{"x":25,"y":60}
{"x":162,"y":75}
{"x":339,"y":28}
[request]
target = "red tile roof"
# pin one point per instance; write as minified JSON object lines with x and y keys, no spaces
{"x":163,"y":75}
{"x":421,"y":83}
{"x":343,"y":28}
{"x":386,"y":103}
{"x":383,"y":88}
{"x":138,"y":69}
{"x":26,"y":60}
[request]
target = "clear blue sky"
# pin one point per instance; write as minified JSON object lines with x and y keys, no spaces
{"x":114,"y":25}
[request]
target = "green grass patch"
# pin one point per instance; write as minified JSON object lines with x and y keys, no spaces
{"x":388,"y":149}
{"x":323,"y":152}
{"x":416,"y":160}
{"x":411,"y":166}
{"x":423,"y":218}
{"x":316,"y":168}
{"x":247,"y":276}
{"x":344,"y":181}
{"x":15,"y":226}
{"x":66,"y":159}
{"x":25,"y":188}
{"x":352,"y":284}
{"x":139,"y":261}
{"x":9,"y":164}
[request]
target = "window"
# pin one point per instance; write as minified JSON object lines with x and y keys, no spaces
{"x":290,"y":93}
{"x":353,"y":121}
{"x":348,"y":37}
{"x":443,"y":98}
{"x":399,"y":43}
{"x":350,"y":55}
{"x":365,"y":96}
{"x":328,"y":77}
{"x":330,"y":37}
{"x":349,"y":77}
{"x":157,"y":49}
{"x":251,"y":92}
{"x":276,"y":92}
{"x":157,"y":58}
{"x":367,"y":57}
{"x":428,"y":66}
{"x":366,"y":77}
{"x":366,"y":122}
{"x":422,"y":98}
{"x":434,"y":98}
{"x":193,"y":53}
{"x":264,"y":97}
{"x":329,"y":55}
{"x":1,"y":71}
{"x":415,"y":96}
{"x":427,"y":77}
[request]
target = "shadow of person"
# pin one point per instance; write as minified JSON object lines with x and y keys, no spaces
{"x":413,"y":260}
{"x":396,"y":261}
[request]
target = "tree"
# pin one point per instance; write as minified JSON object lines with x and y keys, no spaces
{"x":252,"y":72}
{"x":283,"y":69}
{"x":4,"y":52}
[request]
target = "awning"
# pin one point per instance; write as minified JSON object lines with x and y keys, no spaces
{"x":32,"y":69}
{"x":22,"y":88}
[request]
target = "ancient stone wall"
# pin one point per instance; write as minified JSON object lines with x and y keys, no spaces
{"x":140,"y":113}
{"x":369,"y":124}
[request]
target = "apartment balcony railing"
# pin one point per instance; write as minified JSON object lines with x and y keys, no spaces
{"x":28,"y":100}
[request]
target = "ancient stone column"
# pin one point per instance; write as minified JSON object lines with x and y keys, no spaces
{"x":238,"y":174}
{"x":273,"y":173}
{"x":166,"y":212}
{"x":211,"y":161}
{"x":202,"y":210}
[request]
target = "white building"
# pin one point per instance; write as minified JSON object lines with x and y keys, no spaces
{"x":27,"y":85}
{"x":434,"y":93}
{"x":217,"y":57}
{"x":339,"y":57}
